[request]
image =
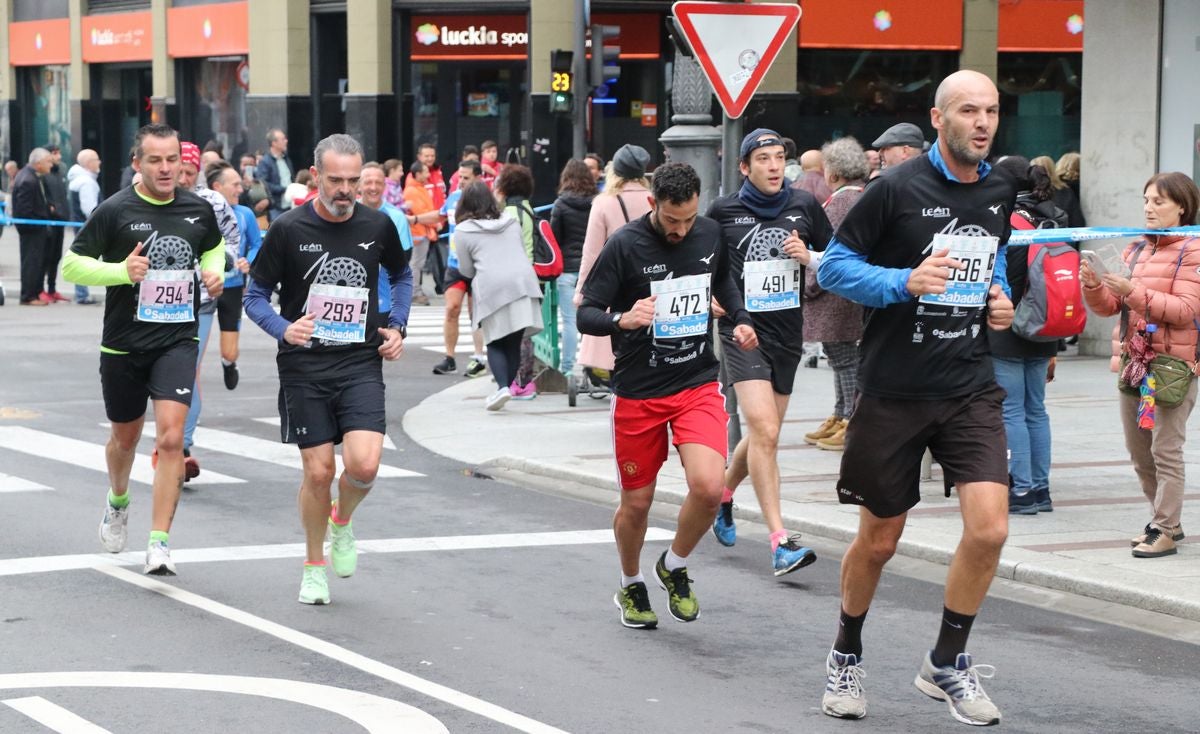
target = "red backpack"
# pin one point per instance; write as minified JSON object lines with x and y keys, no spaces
{"x":1051,"y":308}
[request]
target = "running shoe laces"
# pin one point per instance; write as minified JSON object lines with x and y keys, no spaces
{"x":640,"y":597}
{"x":846,"y":680}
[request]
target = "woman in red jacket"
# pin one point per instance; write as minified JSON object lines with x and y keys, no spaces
{"x":1164,"y":290}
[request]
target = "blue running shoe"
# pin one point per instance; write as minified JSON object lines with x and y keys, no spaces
{"x":723,"y":526}
{"x":790,"y":555}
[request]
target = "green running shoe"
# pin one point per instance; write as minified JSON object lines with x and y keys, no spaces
{"x":681,"y":599}
{"x":314,"y":587}
{"x":634,"y":603}
{"x":343,"y":552}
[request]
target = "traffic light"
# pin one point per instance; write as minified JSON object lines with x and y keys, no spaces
{"x":562,"y":82}
{"x":604,"y":67}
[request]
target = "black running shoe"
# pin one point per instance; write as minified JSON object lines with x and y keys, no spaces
{"x":445,"y":367}
{"x":231,"y":375}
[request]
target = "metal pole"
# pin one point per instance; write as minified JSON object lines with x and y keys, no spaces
{"x":579,"y":114}
{"x":731,"y":140}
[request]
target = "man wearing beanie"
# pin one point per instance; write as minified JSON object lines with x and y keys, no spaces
{"x":767,"y":229}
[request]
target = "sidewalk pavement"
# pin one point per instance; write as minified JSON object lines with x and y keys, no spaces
{"x":1082,"y":547}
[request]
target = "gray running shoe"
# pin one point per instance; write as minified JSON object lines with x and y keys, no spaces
{"x":158,"y":560}
{"x":114,"y":528}
{"x":958,"y":685}
{"x":844,"y":697}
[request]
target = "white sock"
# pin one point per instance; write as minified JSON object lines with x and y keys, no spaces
{"x":479,"y":357}
{"x":226,"y":362}
{"x":672,"y":561}
{"x":627,"y":580}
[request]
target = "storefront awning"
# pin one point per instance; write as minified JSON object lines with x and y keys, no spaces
{"x":1041,"y":25}
{"x":883,"y":24}
{"x":216,"y":29}
{"x":113,"y":37}
{"x":39,"y":42}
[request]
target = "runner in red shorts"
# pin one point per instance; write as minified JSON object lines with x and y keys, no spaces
{"x":650,"y":291}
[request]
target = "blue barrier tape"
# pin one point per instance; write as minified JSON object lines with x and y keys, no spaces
{"x":36,"y":222}
{"x":1084,"y":234}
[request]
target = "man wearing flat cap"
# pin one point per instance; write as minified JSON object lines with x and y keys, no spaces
{"x":899,"y":143}
{"x":767,"y":228}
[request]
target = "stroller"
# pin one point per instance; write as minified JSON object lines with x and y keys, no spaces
{"x":596,"y":384}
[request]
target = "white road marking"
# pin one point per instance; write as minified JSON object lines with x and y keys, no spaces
{"x":53,"y":716}
{"x":388,"y":443}
{"x":436,"y":691}
{"x":272,"y":452}
{"x":376,"y":714}
{"x":87,"y":455}
{"x":9,"y":483}
{"x":75,"y":562}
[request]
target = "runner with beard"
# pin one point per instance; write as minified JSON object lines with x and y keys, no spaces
{"x":143,"y":243}
{"x":325,"y":257}
{"x":923,"y":249}
{"x":767,"y":228}
{"x":650,"y":290}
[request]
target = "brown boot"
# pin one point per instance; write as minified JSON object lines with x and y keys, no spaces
{"x":837,"y":441}
{"x":827,"y":429}
{"x":1176,"y":535}
{"x":1156,"y":545}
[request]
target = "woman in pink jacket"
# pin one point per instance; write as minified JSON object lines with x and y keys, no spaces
{"x":626,"y":197}
{"x":1164,"y":290}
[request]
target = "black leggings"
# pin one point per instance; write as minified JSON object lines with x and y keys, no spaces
{"x":504,"y":357}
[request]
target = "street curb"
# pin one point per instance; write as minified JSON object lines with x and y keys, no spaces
{"x":1020,"y":569}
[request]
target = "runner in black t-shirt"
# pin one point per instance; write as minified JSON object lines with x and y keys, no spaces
{"x":143,"y":243}
{"x":767,"y":228}
{"x":651,"y":290}
{"x":325,"y":258}
{"x":924,"y":250}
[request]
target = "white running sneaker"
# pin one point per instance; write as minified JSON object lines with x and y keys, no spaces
{"x":958,"y":685}
{"x":114,"y":528}
{"x":844,"y":697}
{"x":497,"y":399}
{"x":158,"y":560}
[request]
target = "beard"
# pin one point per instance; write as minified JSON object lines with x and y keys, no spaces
{"x":662,"y":232}
{"x":960,"y":148}
{"x":338,"y":207}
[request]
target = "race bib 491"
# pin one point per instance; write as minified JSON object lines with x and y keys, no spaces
{"x":771,"y":285}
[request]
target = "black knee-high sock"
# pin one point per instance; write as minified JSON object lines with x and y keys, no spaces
{"x":849,"y":636}
{"x":952,"y":638}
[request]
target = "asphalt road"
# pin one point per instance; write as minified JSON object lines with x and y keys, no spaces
{"x":479,"y":605}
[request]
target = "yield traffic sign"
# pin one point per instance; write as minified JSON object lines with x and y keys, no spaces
{"x":735,"y":44}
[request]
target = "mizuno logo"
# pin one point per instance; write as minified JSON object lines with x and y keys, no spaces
{"x":708,"y":260}
{"x":792,"y":218}
{"x":182,"y":390}
{"x":366,"y":245}
{"x":191,"y":220}
{"x":995,"y":208}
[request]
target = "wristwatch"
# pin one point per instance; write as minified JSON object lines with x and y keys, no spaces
{"x":403,"y":329}
{"x":616,"y":319}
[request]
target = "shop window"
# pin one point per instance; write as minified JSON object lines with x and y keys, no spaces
{"x":1040,"y":100}
{"x":46,"y":93}
{"x":220,"y":103}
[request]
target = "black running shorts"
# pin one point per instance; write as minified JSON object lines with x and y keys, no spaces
{"x":768,"y":361}
{"x":886,"y":439}
{"x":126,"y":380}
{"x":317,"y":412}
{"x":229,"y":309}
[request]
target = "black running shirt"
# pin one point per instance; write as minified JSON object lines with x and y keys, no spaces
{"x":749,"y":238}
{"x":301,"y":249}
{"x":912,"y":350}
{"x":634,"y":258}
{"x":174,"y":235}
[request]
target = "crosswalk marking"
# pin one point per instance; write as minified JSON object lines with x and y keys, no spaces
{"x":87,"y":455}
{"x":271,"y":452}
{"x":388,"y":443}
{"x":9,"y":483}
{"x":52,"y":716}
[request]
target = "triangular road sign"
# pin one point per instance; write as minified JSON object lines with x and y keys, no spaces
{"x":735,"y":44}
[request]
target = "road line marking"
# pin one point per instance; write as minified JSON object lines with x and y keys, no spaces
{"x":80,"y":561}
{"x":53,"y":716}
{"x":9,"y":483}
{"x":340,"y":654}
{"x":87,"y":455}
{"x":388,"y":443}
{"x":272,"y":452}
{"x":376,"y":714}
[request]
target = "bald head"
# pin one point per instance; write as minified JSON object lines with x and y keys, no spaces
{"x":811,"y":160}
{"x":960,"y":83}
{"x":88,"y":159}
